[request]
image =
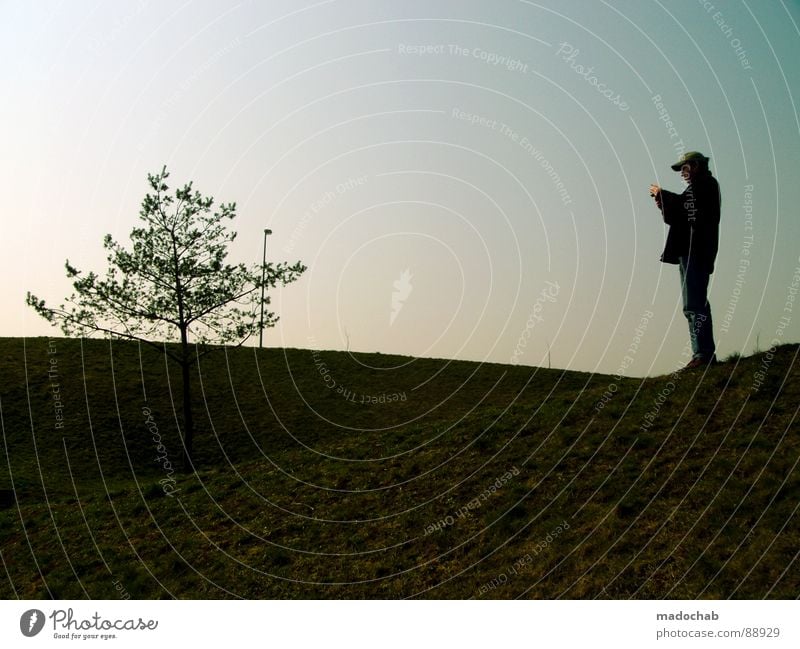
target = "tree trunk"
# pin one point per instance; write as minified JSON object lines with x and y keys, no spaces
{"x":188,"y":423}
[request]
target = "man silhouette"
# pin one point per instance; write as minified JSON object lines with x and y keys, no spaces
{"x":692,"y":242}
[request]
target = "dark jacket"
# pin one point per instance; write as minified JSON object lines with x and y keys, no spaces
{"x":693,"y":219}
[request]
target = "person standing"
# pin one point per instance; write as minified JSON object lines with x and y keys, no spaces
{"x":692,"y":243}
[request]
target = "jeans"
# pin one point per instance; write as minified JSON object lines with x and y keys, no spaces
{"x":694,"y":287}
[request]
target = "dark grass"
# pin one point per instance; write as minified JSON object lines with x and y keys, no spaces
{"x":302,"y":492}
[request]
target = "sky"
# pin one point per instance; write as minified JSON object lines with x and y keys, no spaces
{"x":463,"y":179}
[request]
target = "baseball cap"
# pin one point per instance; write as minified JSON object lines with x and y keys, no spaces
{"x":689,"y":156}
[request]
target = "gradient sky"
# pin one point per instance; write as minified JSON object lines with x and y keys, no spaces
{"x":467,"y":143}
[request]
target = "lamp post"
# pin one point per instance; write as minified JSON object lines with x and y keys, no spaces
{"x":263,"y":272}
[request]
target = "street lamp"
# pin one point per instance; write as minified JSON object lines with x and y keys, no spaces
{"x":263,"y":272}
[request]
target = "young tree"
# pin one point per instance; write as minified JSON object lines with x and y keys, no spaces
{"x":173,"y":284}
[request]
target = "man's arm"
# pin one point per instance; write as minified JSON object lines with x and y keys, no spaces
{"x":672,"y":205}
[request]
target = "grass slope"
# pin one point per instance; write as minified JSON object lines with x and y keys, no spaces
{"x":325,"y":474}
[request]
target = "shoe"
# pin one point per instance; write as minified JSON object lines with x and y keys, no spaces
{"x":700,"y":362}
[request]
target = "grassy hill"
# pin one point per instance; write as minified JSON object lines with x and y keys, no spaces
{"x":325,"y":474}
